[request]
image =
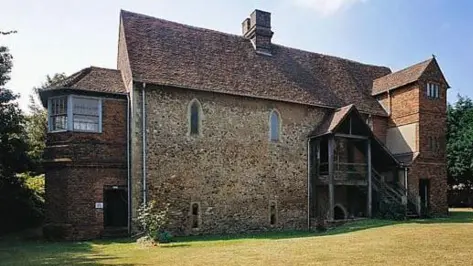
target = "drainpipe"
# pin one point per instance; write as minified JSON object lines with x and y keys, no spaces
{"x":143,"y":98}
{"x":308,"y":184}
{"x":128,"y":160}
{"x":405,"y":181}
{"x":308,"y":181}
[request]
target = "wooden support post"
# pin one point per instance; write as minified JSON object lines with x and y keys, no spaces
{"x":331,"y":172}
{"x":370,"y":190}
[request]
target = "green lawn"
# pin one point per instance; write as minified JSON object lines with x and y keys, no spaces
{"x":447,"y":241}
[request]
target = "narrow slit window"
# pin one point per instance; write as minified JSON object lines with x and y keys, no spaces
{"x":195,"y":118}
{"x":195,"y":215}
{"x":272,"y":213}
{"x":274,"y":126}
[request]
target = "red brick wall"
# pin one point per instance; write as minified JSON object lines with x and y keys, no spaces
{"x":410,"y":104}
{"x":380,"y":126}
{"x":79,"y":166}
{"x":404,"y":105}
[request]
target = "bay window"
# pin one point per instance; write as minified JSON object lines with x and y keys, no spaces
{"x":75,"y":113}
{"x":57,"y":114}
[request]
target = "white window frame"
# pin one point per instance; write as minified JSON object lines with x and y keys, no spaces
{"x":70,"y":115}
{"x":50,"y":111}
{"x":433,"y":90}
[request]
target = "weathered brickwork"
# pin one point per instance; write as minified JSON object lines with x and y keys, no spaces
{"x":411,"y":104}
{"x":232,"y":169}
{"x":380,"y":124}
{"x":404,"y":105}
{"x":78,"y":168}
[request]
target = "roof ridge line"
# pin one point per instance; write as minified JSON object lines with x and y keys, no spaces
{"x":406,"y":68}
{"x":184,"y":24}
{"x":242,"y":37}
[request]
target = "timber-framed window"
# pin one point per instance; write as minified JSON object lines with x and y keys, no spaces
{"x":75,"y":113}
{"x":433,"y":90}
{"x":57,"y":114}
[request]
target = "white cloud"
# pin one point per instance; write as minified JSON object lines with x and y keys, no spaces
{"x":327,"y":7}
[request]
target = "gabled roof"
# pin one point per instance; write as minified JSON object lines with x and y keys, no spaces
{"x":168,"y":53}
{"x":95,"y":79}
{"x":382,"y":157}
{"x":403,"y":77}
{"x":330,"y":123}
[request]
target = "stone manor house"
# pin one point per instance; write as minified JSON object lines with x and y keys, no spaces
{"x":239,"y":134}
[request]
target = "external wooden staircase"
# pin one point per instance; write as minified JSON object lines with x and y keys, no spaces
{"x":396,"y":194}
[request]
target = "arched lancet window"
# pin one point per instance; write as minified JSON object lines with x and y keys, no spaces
{"x":274,"y":126}
{"x":195,"y":118}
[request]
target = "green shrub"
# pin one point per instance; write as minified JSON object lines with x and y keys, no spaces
{"x":36,"y":184}
{"x":164,"y":237}
{"x":152,"y":220}
{"x":391,"y":211}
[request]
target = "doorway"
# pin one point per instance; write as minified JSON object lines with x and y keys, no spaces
{"x":424,"y":193}
{"x":115,"y":207}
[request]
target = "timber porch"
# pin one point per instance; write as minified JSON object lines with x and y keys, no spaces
{"x":351,"y":172}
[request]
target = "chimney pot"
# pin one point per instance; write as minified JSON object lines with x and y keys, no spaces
{"x":257,"y":28}
{"x":245,"y":26}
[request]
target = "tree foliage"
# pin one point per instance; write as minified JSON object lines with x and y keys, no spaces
{"x":460,"y":143}
{"x":36,"y":124}
{"x":13,"y":156}
{"x":19,"y":206}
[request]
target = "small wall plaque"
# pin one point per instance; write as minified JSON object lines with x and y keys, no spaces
{"x":99,"y":205}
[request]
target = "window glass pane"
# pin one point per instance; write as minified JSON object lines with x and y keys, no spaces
{"x":194,"y":119}
{"x":58,"y":106}
{"x":274,"y":126}
{"x":86,"y":116}
{"x":428,"y":89}
{"x":86,"y":123}
{"x":58,"y":114}
{"x":58,"y":123}
{"x":86,"y":106}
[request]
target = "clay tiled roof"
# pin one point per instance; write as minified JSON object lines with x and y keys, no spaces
{"x":168,"y":53}
{"x":332,"y":121}
{"x":93,"y":79}
{"x":400,"y":78}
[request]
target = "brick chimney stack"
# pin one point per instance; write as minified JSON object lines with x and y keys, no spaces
{"x":257,"y":28}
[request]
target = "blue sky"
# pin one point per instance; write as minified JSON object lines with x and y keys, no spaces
{"x":65,"y":36}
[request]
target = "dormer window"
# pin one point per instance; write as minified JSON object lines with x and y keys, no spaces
{"x":433,"y":90}
{"x":75,"y":113}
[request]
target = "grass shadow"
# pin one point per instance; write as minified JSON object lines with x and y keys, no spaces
{"x":346,"y":228}
{"x":455,"y":216}
{"x":48,"y":253}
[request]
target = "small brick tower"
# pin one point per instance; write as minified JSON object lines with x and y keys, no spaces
{"x":417,"y":128}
